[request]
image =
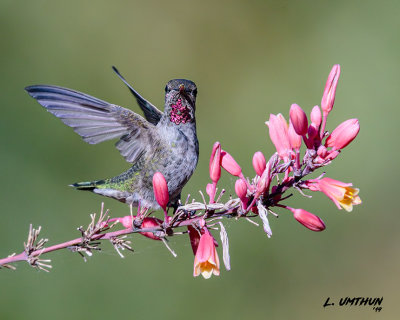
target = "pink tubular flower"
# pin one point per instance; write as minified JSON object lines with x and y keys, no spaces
{"x":299,"y":119}
{"x":259,"y":163}
{"x":307,"y":219}
{"x":206,"y":261}
{"x":343,"y":134}
{"x":328,"y":98}
{"x":342,"y":194}
{"x":278,"y":132}
{"x":230,"y":165}
{"x":215,"y":163}
{"x":160,"y":190}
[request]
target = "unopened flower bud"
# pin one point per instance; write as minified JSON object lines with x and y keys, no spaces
{"x":328,"y":98}
{"x":150,"y":222}
{"x":241,"y":189}
{"x":294,"y":138}
{"x":264,"y":181}
{"x":215,"y":163}
{"x":259,"y":163}
{"x":126,"y":221}
{"x":343,"y":134}
{"x":316,"y":116}
{"x":278,"y":132}
{"x":307,"y":219}
{"x":160,"y":190}
{"x":312,"y":131}
{"x":322,"y":152}
{"x":299,"y":119}
{"x":333,"y":154}
{"x":229,"y":164}
{"x":211,"y":190}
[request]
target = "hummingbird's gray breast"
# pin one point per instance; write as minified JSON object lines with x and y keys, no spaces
{"x":183,"y":156}
{"x":175,"y":154}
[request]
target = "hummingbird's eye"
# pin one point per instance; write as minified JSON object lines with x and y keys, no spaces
{"x":195,"y":92}
{"x":166,"y":89}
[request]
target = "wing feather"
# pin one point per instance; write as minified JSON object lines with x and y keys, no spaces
{"x":96,"y":120}
{"x":151,"y":113}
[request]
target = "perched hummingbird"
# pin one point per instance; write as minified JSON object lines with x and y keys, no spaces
{"x":164,"y":142}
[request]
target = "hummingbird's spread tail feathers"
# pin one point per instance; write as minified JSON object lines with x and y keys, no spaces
{"x":88,"y":186}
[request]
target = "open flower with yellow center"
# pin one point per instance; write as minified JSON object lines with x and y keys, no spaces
{"x":341,"y":193}
{"x":206,"y":261}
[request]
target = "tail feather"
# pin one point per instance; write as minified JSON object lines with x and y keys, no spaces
{"x":89,"y":186}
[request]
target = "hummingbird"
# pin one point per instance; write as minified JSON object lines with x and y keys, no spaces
{"x":163,"y":142}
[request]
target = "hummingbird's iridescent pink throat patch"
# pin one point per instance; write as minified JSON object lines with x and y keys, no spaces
{"x":179,"y":113}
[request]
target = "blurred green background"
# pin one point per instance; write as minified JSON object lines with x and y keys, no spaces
{"x":248,"y":59}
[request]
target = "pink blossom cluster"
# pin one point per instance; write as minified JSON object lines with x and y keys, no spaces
{"x":302,"y":147}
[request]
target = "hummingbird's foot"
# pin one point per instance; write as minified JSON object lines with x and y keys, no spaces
{"x":137,"y":222}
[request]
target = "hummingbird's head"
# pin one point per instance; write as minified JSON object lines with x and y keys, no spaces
{"x":180,"y":100}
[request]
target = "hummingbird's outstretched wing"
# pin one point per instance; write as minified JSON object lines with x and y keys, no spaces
{"x":151,"y":113}
{"x":96,"y":120}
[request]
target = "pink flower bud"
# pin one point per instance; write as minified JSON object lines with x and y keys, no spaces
{"x":307,"y":219}
{"x":126,"y":221}
{"x":241,"y":189}
{"x":299,"y":120}
{"x":259,"y":163}
{"x":322,"y":152}
{"x":215,"y":162}
{"x":194,"y":237}
{"x":150,"y":222}
{"x":312,"y":132}
{"x":328,"y":98}
{"x":264,"y":181}
{"x":316,"y":116}
{"x":343,"y":134}
{"x":278,"y":132}
{"x":211,"y":189}
{"x":160,"y":189}
{"x":332,"y":155}
{"x":229,"y":164}
{"x":294,"y":138}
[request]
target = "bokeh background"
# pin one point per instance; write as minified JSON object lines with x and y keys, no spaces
{"x":249,"y":59}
